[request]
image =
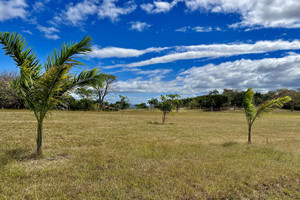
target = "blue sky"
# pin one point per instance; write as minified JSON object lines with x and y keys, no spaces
{"x":188,"y":47}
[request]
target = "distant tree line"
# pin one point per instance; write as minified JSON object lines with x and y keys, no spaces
{"x":233,"y":99}
{"x":93,"y":98}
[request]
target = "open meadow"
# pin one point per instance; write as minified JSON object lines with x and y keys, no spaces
{"x":132,"y":155}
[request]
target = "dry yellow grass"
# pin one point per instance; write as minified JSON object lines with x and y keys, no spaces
{"x":195,"y":155}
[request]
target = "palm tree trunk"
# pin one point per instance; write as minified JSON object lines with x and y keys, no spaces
{"x":39,"y":139}
{"x":249,"y":134}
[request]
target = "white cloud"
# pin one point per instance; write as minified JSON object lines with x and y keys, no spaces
{"x":268,"y":73}
{"x":264,"y":13}
{"x":183,"y":29}
{"x":197,"y":29}
{"x":27,"y":31}
{"x":202,"y":29}
{"x":139,"y":26}
{"x":159,"y":6}
{"x":215,"y":51}
{"x":78,"y":13}
{"x":109,"y":52}
{"x":153,"y":85}
{"x":39,"y":6}
{"x":148,"y":73}
{"x":153,"y":73}
{"x":108,"y":9}
{"x":12,"y":9}
{"x":265,"y":74}
{"x":50,"y":32}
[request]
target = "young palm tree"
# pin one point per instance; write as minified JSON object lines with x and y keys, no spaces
{"x":252,"y":112}
{"x":42,"y":87}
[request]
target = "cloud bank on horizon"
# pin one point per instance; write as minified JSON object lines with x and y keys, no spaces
{"x":188,"y":47}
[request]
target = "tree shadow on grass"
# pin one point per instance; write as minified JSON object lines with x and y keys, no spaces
{"x":229,"y":144}
{"x":155,"y":123}
{"x":160,"y":123}
{"x":18,"y":154}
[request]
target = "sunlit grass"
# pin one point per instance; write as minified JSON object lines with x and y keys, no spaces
{"x":195,"y":155}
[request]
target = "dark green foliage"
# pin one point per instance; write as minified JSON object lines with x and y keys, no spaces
{"x":123,"y":103}
{"x":141,"y":106}
{"x":153,"y":103}
{"x":186,"y":102}
{"x":213,"y":101}
{"x":177,"y":104}
{"x":82,"y":104}
{"x":194,"y":103}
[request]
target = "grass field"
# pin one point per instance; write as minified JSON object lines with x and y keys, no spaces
{"x":195,"y":155}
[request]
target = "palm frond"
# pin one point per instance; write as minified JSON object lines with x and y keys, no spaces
{"x":87,"y":77}
{"x":51,"y":84}
{"x":249,"y":106}
{"x":268,"y":106}
{"x":66,"y":56}
{"x":16,"y":47}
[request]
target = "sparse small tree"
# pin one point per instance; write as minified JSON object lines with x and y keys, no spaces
{"x":174,"y":100}
{"x":252,"y":112}
{"x":103,"y":87}
{"x":165,"y":106}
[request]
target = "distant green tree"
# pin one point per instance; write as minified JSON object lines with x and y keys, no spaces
{"x":186,"y":102}
{"x":103,"y":87}
{"x":153,"y":103}
{"x":124,"y":102}
{"x":238,"y":98}
{"x":174,"y":100}
{"x":141,"y":106}
{"x":173,"y":96}
{"x":42,"y":88}
{"x":230,"y":96}
{"x":194,"y":104}
{"x":177,"y":104}
{"x":214,"y":92}
{"x":165,"y":106}
{"x":252,"y":112}
{"x":294,"y":94}
{"x":85,"y":93}
{"x":215,"y":101}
